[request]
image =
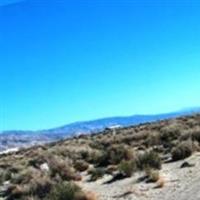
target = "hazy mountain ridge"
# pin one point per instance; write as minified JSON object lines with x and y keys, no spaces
{"x":87,"y":127}
{"x":13,"y":139}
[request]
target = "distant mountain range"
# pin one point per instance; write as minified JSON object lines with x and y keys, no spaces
{"x":17,"y":139}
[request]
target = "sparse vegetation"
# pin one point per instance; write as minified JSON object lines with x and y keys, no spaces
{"x":81,"y":165}
{"x":152,"y":175}
{"x":47,"y":172}
{"x":182,"y":151}
{"x":65,"y":191}
{"x":127,"y":168}
{"x":149,"y":159}
{"x":196,"y":135}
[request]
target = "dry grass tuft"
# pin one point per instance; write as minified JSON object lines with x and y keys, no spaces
{"x":160,"y":183}
{"x":90,"y":196}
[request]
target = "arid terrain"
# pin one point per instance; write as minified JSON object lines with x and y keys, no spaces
{"x":153,"y":161}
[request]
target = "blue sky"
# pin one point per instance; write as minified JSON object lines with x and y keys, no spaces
{"x":66,"y":61}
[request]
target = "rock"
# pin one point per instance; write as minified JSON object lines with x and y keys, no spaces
{"x":116,"y":177}
{"x":44,"y":167}
{"x":186,"y":164}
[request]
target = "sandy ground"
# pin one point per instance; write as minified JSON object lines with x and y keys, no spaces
{"x":179,"y":184}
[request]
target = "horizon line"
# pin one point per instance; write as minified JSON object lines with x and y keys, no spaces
{"x":187,"y":110}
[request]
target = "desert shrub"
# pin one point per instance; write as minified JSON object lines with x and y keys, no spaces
{"x":84,"y":154}
{"x":40,"y":186}
{"x":36,"y":162}
{"x":153,"y":139}
{"x":97,"y":145}
{"x":5,"y":175}
{"x":185,"y":135}
{"x":170,"y":132}
{"x":193,"y":134}
{"x":66,"y":191}
{"x":118,"y":153}
{"x":25,"y":176}
{"x":191,"y":123}
{"x":14,"y":192}
{"x":15,"y":169}
{"x":4,"y":164}
{"x":99,"y":158}
{"x":96,"y":173}
{"x":61,"y":168}
{"x":127,"y":168}
{"x":81,"y":165}
{"x":60,"y":151}
{"x":149,"y":159}
{"x":30,"y":184}
{"x":141,"y":135}
{"x":196,"y":135}
{"x":111,"y":156}
{"x":182,"y":151}
{"x":152,"y":175}
{"x":127,"y":139}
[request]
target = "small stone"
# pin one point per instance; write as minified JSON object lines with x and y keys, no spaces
{"x":186,"y":164}
{"x":44,"y":167}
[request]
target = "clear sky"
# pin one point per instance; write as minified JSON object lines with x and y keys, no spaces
{"x":69,"y":60}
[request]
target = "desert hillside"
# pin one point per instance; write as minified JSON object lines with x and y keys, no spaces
{"x":13,"y":140}
{"x":157,"y":160}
